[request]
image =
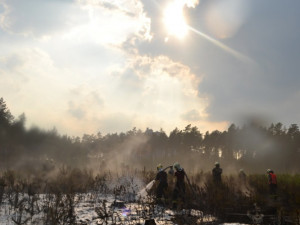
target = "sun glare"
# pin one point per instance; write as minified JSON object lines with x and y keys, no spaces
{"x":174,"y":20}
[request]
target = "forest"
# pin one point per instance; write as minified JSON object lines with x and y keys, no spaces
{"x":48,"y":178}
{"x":252,"y":147}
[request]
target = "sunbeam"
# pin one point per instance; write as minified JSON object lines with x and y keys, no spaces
{"x":231,"y":51}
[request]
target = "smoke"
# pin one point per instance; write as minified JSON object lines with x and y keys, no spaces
{"x":123,"y":156}
{"x":255,"y":148}
{"x":126,"y":186}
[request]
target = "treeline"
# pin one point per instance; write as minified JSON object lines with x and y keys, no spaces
{"x":252,"y":147}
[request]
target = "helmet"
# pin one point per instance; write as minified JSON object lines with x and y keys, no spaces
{"x":177,"y":166}
{"x":269,"y":171}
{"x":159,"y":167}
{"x":241,"y":170}
{"x":217,"y":164}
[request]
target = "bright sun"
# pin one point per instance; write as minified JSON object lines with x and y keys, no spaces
{"x":174,"y":20}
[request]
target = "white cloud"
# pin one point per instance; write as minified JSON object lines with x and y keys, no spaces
{"x":156,"y":91}
{"x":84,"y":103}
{"x":40,"y":77}
{"x":113,"y":22}
{"x":39,"y":83}
{"x":88,"y":75}
{"x":142,"y":92}
{"x":100,"y":21}
{"x":191,"y":3}
{"x":40,"y":18}
{"x":192,"y":115}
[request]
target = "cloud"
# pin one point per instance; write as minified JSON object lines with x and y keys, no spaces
{"x":192,"y":115}
{"x":68,"y":71}
{"x":104,"y":22}
{"x":13,"y":62}
{"x":157,"y":91}
{"x":145,"y":92}
{"x":89,"y":75}
{"x":85,"y":104}
{"x":32,"y":84}
{"x":191,"y":3}
{"x":76,"y":111}
{"x":112,"y":22}
{"x":40,"y":18}
{"x":23,"y":67}
{"x":141,"y":92}
{"x":259,"y":90}
{"x":116,"y":122}
{"x":236,"y":88}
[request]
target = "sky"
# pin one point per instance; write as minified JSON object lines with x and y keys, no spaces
{"x":89,"y":66}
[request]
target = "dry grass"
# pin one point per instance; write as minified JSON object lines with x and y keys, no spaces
{"x":222,"y":200}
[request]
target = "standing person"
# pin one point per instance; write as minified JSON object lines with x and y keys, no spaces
{"x":242,"y":176}
{"x":272,"y":182}
{"x":217,"y":171}
{"x":242,"y":179}
{"x":179,"y":189}
{"x":161,"y":190}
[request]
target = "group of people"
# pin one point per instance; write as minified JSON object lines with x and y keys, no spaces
{"x":272,"y":178}
{"x":179,"y":188}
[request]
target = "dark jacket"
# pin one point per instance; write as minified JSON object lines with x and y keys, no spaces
{"x":161,"y":176}
{"x":179,"y":174}
{"x":217,"y":171}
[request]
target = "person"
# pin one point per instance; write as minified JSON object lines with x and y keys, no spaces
{"x":179,"y":189}
{"x":217,"y":171}
{"x":272,"y":179}
{"x":161,"y":190}
{"x":242,"y":176}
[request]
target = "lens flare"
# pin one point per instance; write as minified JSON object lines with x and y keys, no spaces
{"x":229,"y":50}
{"x":126,"y":212}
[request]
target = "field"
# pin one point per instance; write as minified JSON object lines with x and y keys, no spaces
{"x":78,"y":196}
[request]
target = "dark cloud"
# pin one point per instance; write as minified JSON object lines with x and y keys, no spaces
{"x":269,"y":36}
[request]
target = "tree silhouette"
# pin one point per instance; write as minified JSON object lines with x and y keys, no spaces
{"x":253,"y":146}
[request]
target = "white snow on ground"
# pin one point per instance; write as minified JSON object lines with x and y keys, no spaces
{"x":91,"y":209}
